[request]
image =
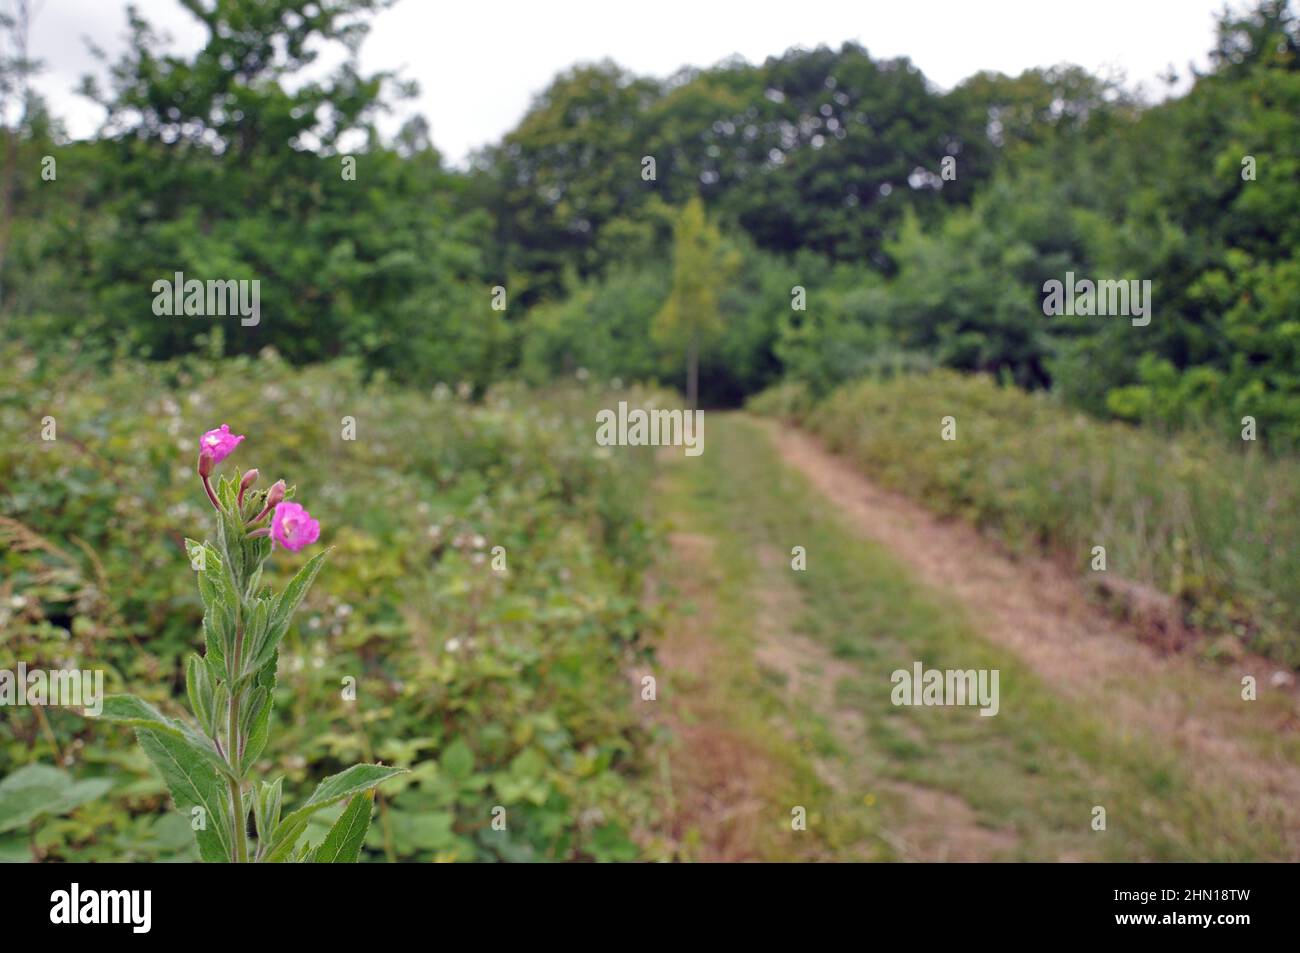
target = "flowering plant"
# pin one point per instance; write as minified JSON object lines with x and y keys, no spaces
{"x":231,"y":686}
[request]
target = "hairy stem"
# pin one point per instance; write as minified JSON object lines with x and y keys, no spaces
{"x":236,"y":753}
{"x":237,"y":834}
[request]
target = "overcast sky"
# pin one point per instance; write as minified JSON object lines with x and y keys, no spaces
{"x":479,"y":62}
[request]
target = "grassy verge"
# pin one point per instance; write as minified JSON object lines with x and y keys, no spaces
{"x":1214,"y":527}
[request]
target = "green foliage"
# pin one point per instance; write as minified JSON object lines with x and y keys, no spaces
{"x":492,"y":688}
{"x":817,"y":149}
{"x":342,"y":844}
{"x":790,"y":402}
{"x":819,"y":168}
{"x":36,"y":791}
{"x":690,"y":318}
{"x":229,"y":165}
{"x":1111,"y":191}
{"x":1056,"y":170}
{"x":601,"y":327}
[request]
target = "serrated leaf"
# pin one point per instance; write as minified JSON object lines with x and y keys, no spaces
{"x":342,"y":844}
{"x":283,"y":840}
{"x":266,"y":677}
{"x":287,"y":601}
{"x":221,"y":606}
{"x":280,"y":614}
{"x":199,"y":687}
{"x":355,"y":780}
{"x":257,"y":729}
{"x":217,"y":633}
{"x":256,"y":626}
{"x":130,"y":710}
{"x":193,"y":782}
{"x":137,"y":713}
{"x":214,"y":577}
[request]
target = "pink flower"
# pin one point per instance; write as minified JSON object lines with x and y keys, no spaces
{"x":292,"y":526}
{"x":219,"y":444}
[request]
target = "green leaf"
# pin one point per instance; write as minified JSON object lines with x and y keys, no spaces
{"x":355,"y":780}
{"x":358,"y":778}
{"x":39,"y":789}
{"x":15,"y":849}
{"x":257,"y":726}
{"x":280,"y":614}
{"x":342,"y":845}
{"x":256,"y":630}
{"x":129,"y":710}
{"x":458,"y":760}
{"x":287,"y":602}
{"x":268,"y":808}
{"x":198,"y":684}
{"x":283,"y":840}
{"x":136,"y":712}
{"x":220,"y":601}
{"x":193,"y":782}
{"x":216,"y":632}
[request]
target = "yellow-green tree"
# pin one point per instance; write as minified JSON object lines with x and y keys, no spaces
{"x":702,"y":264}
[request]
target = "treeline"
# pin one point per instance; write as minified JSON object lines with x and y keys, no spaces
{"x":921,"y":225}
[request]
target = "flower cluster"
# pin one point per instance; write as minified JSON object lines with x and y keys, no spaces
{"x":291,"y":527}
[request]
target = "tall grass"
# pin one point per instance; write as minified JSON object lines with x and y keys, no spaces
{"x":1215,"y":526}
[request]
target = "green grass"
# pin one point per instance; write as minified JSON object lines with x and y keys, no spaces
{"x":696,"y":496}
{"x":1036,"y":769}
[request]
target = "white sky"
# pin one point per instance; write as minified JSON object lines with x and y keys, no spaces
{"x":479,"y":62}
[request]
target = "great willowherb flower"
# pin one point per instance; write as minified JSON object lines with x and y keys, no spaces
{"x":219,"y":443}
{"x":292,"y":527}
{"x":208,"y":764}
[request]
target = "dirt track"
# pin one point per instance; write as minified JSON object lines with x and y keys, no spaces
{"x":1036,"y":609}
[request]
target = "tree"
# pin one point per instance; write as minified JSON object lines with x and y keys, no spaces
{"x":702,"y":264}
{"x":16,"y":68}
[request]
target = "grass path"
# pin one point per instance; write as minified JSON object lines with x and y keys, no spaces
{"x":775,"y":687}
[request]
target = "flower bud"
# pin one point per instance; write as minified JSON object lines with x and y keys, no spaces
{"x":206,"y":463}
{"x":249,"y":479}
{"x":275,"y":494}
